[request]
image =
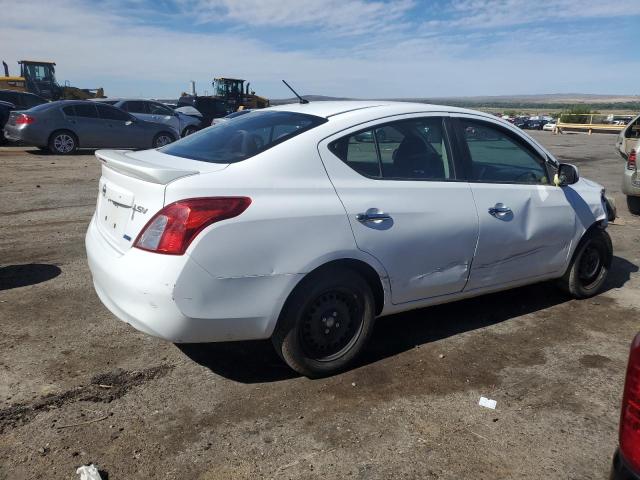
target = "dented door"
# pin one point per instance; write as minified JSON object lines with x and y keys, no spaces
{"x":526,"y":224}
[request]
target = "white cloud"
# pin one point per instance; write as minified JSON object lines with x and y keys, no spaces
{"x":348,"y":17}
{"x":117,"y":50}
{"x":501,"y":13}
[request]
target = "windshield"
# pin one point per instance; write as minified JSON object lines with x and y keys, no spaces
{"x":242,"y":137}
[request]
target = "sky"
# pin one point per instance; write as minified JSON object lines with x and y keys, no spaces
{"x":349,"y":48}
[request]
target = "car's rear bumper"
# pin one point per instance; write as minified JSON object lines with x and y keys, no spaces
{"x":173,"y":298}
{"x":25,"y":135}
{"x":631,"y":182}
{"x":620,"y":470}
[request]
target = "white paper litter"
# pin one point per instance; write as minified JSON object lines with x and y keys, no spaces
{"x":487,"y":402}
{"x":88,"y":472}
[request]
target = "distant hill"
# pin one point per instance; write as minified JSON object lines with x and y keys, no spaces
{"x":551,"y":101}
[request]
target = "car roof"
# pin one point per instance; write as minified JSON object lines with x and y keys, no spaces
{"x":332,"y":108}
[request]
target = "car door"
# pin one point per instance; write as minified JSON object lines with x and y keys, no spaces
{"x":83,"y":120}
{"x":397,"y":181}
{"x":120,"y":129}
{"x":526,"y":222}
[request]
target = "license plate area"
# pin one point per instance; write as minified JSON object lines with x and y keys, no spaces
{"x":116,"y":207}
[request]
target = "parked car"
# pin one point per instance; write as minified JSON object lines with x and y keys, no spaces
{"x":549,"y":127}
{"x":533,"y":124}
{"x":290,"y":223}
{"x":520,"y":122}
{"x":628,"y":146}
{"x":66,"y":125}
{"x":5,"y":109}
{"x":209,"y":107}
{"x":239,"y":113}
{"x":157,"y":112}
{"x":626,"y":461}
{"x":21,"y":100}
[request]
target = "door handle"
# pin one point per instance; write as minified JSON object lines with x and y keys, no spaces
{"x":499,"y":209}
{"x":372,"y":215}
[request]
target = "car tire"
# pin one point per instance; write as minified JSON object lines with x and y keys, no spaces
{"x":188,"y":131}
{"x":310,"y":337}
{"x":634,"y":204}
{"x":589,"y":266}
{"x":162,"y":139}
{"x":63,"y":142}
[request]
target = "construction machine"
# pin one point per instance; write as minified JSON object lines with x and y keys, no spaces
{"x":233,"y":91}
{"x":40,"y":78}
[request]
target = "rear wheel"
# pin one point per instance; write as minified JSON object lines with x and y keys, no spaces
{"x":326,"y":322}
{"x":590,"y":265}
{"x":63,"y":142}
{"x":162,"y":139}
{"x":634,"y":204}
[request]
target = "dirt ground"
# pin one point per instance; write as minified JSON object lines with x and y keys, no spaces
{"x":78,"y":386}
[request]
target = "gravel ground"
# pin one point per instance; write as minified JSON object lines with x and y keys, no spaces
{"x":78,"y":386}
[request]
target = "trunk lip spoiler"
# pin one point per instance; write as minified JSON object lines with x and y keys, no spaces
{"x":119,"y":161}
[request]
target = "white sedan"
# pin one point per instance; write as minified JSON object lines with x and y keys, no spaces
{"x":303,"y":223}
{"x":549,"y":127}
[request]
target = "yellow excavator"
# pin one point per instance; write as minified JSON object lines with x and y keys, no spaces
{"x":40,"y":78}
{"x":233,"y":91}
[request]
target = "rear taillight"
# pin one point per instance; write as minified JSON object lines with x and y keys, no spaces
{"x":24,"y":119}
{"x":630,"y":417}
{"x":632,"y":160}
{"x":173,"y":228}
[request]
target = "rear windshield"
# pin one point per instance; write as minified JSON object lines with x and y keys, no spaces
{"x":42,"y":106}
{"x":242,"y":137}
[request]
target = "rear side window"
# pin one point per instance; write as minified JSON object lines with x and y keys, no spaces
{"x":69,"y":111}
{"x":413,"y":149}
{"x":135,"y":107}
{"x":242,"y":137}
{"x":85,"y":110}
{"x":112,"y":113}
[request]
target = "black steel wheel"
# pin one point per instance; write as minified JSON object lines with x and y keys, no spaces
{"x":589,"y":266}
{"x":326,"y":322}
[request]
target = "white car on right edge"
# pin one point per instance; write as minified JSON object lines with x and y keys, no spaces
{"x":628,"y":147}
{"x":303,"y":223}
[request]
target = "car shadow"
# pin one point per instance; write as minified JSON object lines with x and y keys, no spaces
{"x":36,"y":151}
{"x":14,"y":276}
{"x":257,"y":362}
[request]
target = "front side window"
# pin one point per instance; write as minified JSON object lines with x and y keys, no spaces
{"x":497,"y":156}
{"x":108,"y":112}
{"x":242,"y":137}
{"x":158,"y":109}
{"x":413,"y":149}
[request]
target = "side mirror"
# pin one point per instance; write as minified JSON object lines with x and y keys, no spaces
{"x":567,"y":175}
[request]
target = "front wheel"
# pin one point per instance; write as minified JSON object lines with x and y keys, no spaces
{"x":590,"y":265}
{"x":162,"y":139}
{"x":326,"y":322}
{"x":188,"y":131}
{"x":634,"y":204}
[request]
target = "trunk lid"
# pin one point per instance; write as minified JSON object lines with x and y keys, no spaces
{"x":132,"y":190}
